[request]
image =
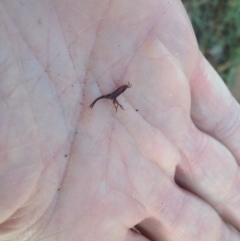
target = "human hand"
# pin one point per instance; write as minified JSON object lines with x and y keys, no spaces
{"x":69,"y":172}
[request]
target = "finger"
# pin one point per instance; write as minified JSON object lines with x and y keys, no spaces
{"x":209,"y":170}
{"x":214,"y":110}
{"x":178,"y":215}
{"x":171,"y":213}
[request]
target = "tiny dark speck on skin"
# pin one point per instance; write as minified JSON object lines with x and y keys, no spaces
{"x":58,"y":189}
{"x":136,"y":109}
{"x":76,"y":132}
{"x":66,"y":155}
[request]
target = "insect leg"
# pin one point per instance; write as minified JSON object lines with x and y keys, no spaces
{"x":116,"y":104}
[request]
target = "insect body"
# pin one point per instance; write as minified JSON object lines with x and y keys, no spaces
{"x":113,"y":96}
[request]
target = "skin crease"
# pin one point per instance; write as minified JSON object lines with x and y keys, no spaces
{"x":68,"y":172}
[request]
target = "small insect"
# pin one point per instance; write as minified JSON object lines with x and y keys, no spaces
{"x":113,"y":96}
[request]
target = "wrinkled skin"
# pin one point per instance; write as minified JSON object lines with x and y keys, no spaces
{"x":168,"y":164}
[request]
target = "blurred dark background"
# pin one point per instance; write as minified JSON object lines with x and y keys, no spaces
{"x":217,"y":26}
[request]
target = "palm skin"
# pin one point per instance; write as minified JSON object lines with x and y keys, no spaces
{"x":167,"y":164}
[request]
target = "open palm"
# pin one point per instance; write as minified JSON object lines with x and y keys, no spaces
{"x":166,"y":164}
